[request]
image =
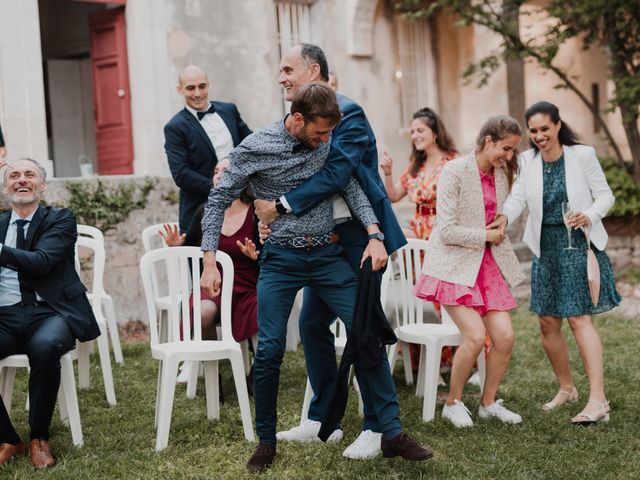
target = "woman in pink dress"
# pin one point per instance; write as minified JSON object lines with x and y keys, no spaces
{"x":467,"y":266}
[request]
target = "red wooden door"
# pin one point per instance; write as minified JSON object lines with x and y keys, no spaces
{"x":111,"y":96}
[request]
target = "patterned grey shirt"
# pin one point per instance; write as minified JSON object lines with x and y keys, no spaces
{"x":274,"y":162}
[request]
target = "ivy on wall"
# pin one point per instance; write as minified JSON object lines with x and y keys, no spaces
{"x":625,"y":189}
{"x":103,"y":207}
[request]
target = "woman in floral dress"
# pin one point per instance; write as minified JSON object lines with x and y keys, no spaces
{"x":432,"y":147}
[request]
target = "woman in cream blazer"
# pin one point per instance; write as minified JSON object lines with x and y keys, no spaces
{"x":466,"y":264}
{"x":557,"y":170}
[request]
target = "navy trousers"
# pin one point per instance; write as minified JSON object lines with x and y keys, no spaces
{"x":379,"y":396}
{"x":40,"y":333}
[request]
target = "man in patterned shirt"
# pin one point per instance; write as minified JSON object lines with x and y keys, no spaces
{"x":301,"y":251}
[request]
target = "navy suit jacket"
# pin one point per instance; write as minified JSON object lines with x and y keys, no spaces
{"x":192,"y":157}
{"x":353,"y":152}
{"x":47,"y":264}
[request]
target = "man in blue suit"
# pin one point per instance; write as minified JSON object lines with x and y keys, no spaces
{"x":199,"y":135}
{"x":43,"y":305}
{"x":353,"y":152}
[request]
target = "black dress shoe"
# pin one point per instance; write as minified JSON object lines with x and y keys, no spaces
{"x":262,"y":458}
{"x":406,"y":447}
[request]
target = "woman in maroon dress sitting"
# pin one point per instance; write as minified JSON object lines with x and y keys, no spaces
{"x":238,"y":230}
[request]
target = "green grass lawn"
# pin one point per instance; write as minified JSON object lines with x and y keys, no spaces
{"x":119,"y":441}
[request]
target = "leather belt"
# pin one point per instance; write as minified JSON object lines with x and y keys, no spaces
{"x":307,"y":242}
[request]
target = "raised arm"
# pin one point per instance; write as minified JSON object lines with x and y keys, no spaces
{"x":186,"y":178}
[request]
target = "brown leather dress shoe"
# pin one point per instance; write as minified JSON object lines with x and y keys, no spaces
{"x":8,"y":451}
{"x":262,"y":458}
{"x":406,"y":447}
{"x":40,"y":454}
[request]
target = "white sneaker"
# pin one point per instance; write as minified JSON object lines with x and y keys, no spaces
{"x":500,"y":412}
{"x":367,"y":445}
{"x":474,"y":379}
{"x":307,"y":431}
{"x":185,"y":372}
{"x":457,"y":414}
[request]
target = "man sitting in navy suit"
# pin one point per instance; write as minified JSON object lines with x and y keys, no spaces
{"x":43,"y":305}
{"x":199,"y":135}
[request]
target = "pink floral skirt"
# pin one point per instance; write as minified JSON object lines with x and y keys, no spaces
{"x":490,"y":291}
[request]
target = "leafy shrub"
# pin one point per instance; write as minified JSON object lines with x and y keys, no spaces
{"x":625,"y":189}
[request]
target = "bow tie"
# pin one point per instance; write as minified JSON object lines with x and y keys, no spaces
{"x":211,"y":109}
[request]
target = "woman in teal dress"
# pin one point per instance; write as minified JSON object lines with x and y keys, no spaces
{"x":557,"y":170}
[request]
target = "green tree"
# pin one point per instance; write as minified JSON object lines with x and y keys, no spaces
{"x":613,"y":25}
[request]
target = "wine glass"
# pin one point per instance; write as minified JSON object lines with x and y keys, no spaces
{"x":566,"y":213}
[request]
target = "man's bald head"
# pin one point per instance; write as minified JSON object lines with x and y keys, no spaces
{"x":191,"y":71}
{"x":193,"y":85}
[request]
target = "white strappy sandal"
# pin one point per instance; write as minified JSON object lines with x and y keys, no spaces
{"x":562,"y":397}
{"x":601,"y":415}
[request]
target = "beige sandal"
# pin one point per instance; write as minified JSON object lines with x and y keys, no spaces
{"x":601,"y":415}
{"x":562,"y":397}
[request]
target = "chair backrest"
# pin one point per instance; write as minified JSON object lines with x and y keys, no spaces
{"x":96,"y":246}
{"x":406,"y":272}
{"x":151,"y":239}
{"x":179,"y":283}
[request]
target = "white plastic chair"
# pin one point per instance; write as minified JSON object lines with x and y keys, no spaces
{"x":340,"y":331}
{"x":431,"y":337}
{"x":67,"y":394}
{"x":191,"y":347}
{"x":84,"y":349}
{"x":152,"y":240}
{"x":107,"y":301}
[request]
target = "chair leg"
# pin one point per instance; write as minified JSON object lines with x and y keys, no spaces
{"x":431,"y":369}
{"x":306,"y":402}
{"x":158,"y":391}
{"x":165,"y":404}
{"x":211,"y":388}
{"x":84,"y":352}
{"x":482,"y":369}
{"x":244,"y":345}
{"x":393,"y":356}
{"x":8,"y":379}
{"x":105,"y":363}
{"x":112,"y":328}
{"x":356,"y":387}
{"x":192,"y":383}
{"x":68,"y":384}
{"x":62,"y":405}
{"x":243,"y":396}
{"x":406,"y":360}
{"x":421,"y":372}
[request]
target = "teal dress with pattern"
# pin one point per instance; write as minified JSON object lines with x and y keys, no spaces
{"x":559,"y":285}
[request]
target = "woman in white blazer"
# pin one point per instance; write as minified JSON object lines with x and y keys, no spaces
{"x":466,"y":266}
{"x":558,"y":169}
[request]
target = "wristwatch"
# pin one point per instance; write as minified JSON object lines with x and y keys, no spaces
{"x":280,"y":208}
{"x":376,"y":236}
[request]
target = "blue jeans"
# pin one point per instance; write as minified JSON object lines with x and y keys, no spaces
{"x":381,"y":408}
{"x":283,"y":271}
